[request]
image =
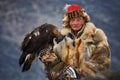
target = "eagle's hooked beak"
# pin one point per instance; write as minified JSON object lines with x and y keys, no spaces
{"x":54,"y":41}
{"x":59,"y":38}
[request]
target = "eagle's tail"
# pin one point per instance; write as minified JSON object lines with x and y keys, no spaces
{"x":22,"y":58}
{"x":26,"y":60}
{"x":27,"y":65}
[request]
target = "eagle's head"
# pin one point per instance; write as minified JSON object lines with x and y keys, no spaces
{"x":49,"y":32}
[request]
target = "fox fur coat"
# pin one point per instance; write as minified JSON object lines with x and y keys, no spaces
{"x":87,"y":51}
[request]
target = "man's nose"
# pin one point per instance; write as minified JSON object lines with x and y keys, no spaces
{"x":75,"y":21}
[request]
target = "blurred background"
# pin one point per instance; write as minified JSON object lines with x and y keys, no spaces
{"x":18,"y":17}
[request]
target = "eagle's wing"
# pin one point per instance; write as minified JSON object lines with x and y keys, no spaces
{"x":30,"y":47}
{"x":26,"y":41}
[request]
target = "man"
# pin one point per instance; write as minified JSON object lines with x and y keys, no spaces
{"x":96,"y":57}
{"x":93,"y":47}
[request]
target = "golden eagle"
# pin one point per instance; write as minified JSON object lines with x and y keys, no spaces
{"x":36,"y":42}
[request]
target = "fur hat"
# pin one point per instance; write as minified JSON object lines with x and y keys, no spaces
{"x":73,"y":11}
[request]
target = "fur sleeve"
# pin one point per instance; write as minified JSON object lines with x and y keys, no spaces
{"x":101,"y":57}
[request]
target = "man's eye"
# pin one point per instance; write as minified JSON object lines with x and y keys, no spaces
{"x":80,"y":18}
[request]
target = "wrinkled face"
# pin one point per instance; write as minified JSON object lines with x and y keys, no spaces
{"x":77,"y":23}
